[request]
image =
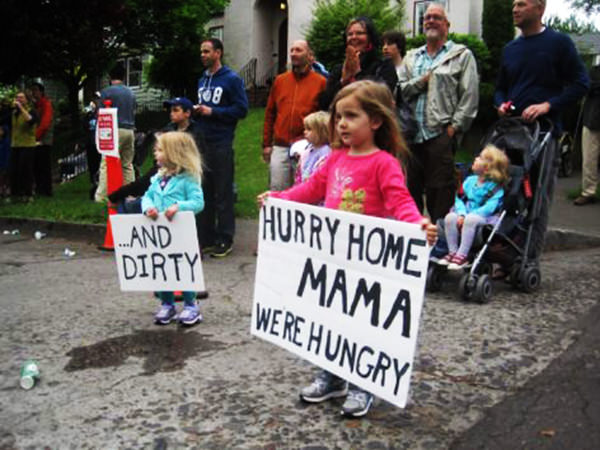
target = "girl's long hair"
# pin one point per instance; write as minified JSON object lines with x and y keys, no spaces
{"x":496,"y":164}
{"x":377,"y":101}
{"x":181,"y":154}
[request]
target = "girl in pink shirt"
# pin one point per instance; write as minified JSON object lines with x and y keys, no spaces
{"x":359,"y":176}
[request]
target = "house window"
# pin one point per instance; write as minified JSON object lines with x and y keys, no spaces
{"x":420,"y":6}
{"x":133,"y":71}
{"x":216,"y":32}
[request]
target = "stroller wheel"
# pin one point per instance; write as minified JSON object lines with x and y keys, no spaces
{"x":531,"y":279}
{"x":515,"y":275}
{"x":485,"y":268}
{"x":434,"y":278}
{"x":483,"y":289}
{"x":466,"y":286}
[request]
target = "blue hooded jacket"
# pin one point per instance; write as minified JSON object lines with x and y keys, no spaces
{"x":224,"y":92}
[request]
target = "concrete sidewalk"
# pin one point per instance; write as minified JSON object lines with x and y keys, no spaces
{"x":565,"y":215}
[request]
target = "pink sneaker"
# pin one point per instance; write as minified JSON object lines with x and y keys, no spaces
{"x":446,"y":260}
{"x":458,"y":262}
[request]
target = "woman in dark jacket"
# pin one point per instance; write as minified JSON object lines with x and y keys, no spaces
{"x":361,"y":61}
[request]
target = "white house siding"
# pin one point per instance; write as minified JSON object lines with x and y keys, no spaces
{"x":251,"y":27}
{"x":464,"y":16}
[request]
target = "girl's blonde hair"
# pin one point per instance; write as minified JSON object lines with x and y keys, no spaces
{"x":181,"y":154}
{"x":317,"y":122}
{"x":377,"y":101}
{"x":496,"y":163}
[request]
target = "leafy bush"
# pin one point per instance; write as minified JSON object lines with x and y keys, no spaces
{"x":330,"y":17}
{"x":497,"y":29}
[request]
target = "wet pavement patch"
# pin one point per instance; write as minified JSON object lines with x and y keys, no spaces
{"x":164,"y":350}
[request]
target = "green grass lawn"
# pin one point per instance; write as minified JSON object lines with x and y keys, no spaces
{"x":71,"y":199}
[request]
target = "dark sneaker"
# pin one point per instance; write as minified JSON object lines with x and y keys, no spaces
{"x":201,"y":295}
{"x":221,"y":250}
{"x":583,"y":200}
{"x":208,"y":249}
{"x":190,"y":315}
{"x":165,"y":314}
{"x":325,"y":386}
{"x":357,"y":403}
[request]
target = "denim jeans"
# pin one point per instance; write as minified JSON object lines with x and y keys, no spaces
{"x":217,"y":220}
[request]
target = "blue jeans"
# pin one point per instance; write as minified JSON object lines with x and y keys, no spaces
{"x":217,"y":220}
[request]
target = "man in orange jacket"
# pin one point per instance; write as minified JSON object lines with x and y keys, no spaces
{"x":294,"y":95}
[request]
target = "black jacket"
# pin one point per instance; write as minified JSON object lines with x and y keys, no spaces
{"x":372,"y":68}
{"x":591,"y":108}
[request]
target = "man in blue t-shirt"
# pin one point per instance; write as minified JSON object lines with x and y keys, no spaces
{"x":222,"y":101}
{"x":122,"y":98}
{"x":540,"y":74}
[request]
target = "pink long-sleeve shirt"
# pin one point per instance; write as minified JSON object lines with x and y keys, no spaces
{"x":369,"y":184}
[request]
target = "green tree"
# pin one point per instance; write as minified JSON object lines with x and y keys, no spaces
{"x":589,"y":6}
{"x":571,"y":25}
{"x":181,"y":48}
{"x":497,"y":29}
{"x":330,"y":17}
{"x":73,"y":40}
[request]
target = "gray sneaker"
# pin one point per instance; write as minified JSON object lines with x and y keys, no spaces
{"x":165,"y":314}
{"x":326,"y":385}
{"x":357,"y":403}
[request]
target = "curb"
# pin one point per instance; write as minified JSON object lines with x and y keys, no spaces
{"x":557,"y":239}
{"x":75,"y":231}
{"x":562,"y":239}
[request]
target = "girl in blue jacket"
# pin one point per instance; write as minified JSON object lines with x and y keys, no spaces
{"x":175,"y":187}
{"x":479,"y":203}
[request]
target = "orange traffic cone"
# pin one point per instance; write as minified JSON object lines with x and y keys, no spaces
{"x":109,"y":244}
{"x":114,"y":180}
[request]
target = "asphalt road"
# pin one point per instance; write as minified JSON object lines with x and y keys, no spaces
{"x":112,"y":379}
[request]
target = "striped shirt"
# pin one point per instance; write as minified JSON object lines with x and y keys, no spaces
{"x":423,"y":63}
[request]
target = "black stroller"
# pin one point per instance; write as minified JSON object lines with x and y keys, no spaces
{"x":508,"y":244}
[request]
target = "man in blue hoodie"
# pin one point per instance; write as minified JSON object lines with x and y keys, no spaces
{"x":222,"y":102}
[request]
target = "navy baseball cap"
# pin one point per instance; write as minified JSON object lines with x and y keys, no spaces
{"x":185,"y":103}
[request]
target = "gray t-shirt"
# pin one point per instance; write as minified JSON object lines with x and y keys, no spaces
{"x":123,"y":99}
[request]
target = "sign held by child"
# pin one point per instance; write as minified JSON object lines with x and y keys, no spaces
{"x":348,"y":297}
{"x":157,"y":255}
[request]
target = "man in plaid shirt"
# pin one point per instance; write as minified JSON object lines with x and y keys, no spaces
{"x":440,"y":81}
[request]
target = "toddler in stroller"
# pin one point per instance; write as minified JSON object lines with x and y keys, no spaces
{"x":477,"y":202}
{"x":512,"y":244}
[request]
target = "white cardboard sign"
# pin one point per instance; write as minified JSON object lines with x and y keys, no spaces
{"x":344,"y":291}
{"x":107,"y":132}
{"x":157,"y":255}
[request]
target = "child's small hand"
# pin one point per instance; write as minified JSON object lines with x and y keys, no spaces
{"x":152,"y":213}
{"x":171,"y":210}
{"x":260,"y":198}
{"x":459,"y":222}
{"x":431,"y":231}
